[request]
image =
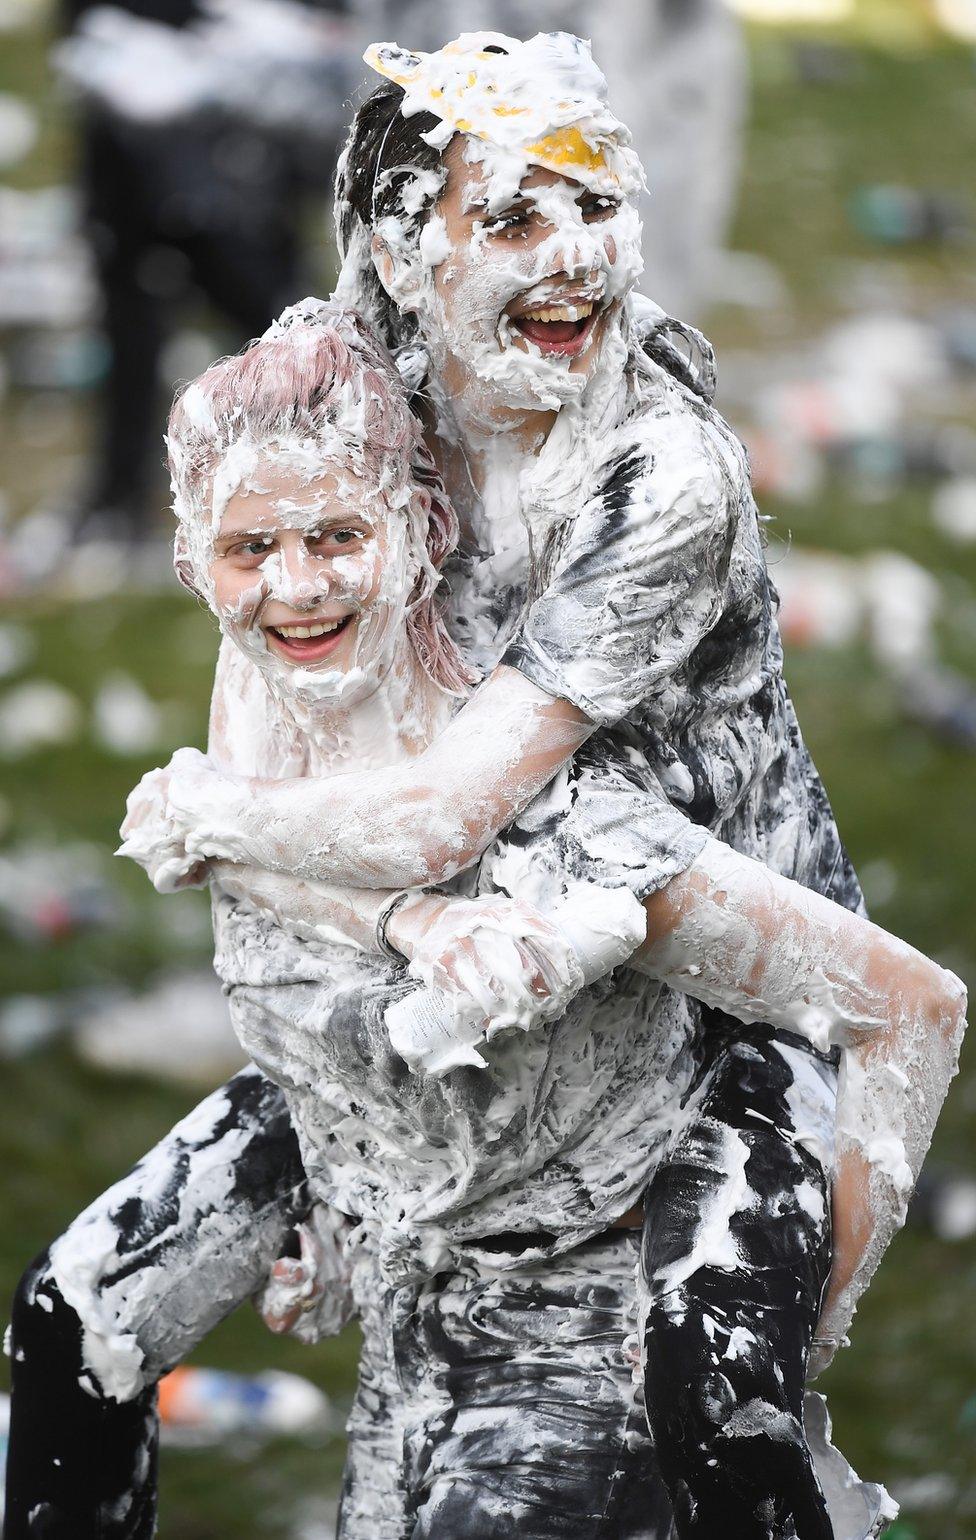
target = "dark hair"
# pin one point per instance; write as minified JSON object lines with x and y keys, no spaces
{"x":384,"y":149}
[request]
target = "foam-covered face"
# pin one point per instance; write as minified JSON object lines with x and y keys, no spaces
{"x":311,"y":576}
{"x":529,"y":288}
{"x":518,"y":273}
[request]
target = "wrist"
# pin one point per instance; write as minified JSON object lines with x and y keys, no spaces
{"x":412,"y":919}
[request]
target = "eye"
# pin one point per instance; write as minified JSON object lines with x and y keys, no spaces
{"x":250,"y":552}
{"x":516,"y":222}
{"x":595,"y":209}
{"x":327,"y":541}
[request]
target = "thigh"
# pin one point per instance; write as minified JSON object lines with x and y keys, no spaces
{"x":373,"y":1505}
{"x":745,"y":1186}
{"x":735,"y":1259}
{"x":155,"y":1262}
{"x":521,"y":1415}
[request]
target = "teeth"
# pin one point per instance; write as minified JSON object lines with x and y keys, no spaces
{"x":560,"y":313}
{"x":304,"y":632}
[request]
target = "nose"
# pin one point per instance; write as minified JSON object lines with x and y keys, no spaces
{"x":582,"y":252}
{"x":306,"y":580}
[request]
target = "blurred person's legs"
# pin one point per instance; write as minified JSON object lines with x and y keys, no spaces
{"x":129,"y":1289}
{"x":124,"y":247}
{"x":735,"y":1257}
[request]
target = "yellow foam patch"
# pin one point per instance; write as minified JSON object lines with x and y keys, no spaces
{"x":567,"y":147}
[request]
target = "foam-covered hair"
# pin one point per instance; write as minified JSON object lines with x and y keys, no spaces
{"x":321,"y":378}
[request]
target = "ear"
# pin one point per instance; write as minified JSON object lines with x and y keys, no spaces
{"x":400,"y":274}
{"x":383,"y":262}
{"x":183,"y":565}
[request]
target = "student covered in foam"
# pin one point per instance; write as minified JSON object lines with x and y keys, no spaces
{"x":563,"y":465}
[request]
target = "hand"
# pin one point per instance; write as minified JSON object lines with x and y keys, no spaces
{"x":213,"y":808}
{"x":155,"y":838}
{"x":496,"y":960}
{"x":309,"y":1296}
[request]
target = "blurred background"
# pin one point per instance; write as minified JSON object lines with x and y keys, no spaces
{"x":164,"y":190}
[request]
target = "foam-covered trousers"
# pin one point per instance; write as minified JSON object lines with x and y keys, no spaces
{"x":491,"y":1401}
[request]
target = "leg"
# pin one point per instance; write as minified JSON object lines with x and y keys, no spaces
{"x":136,"y":1282}
{"x":735,"y":1258}
{"x":373,"y":1505}
{"x":120,"y":229}
{"x":521,"y":1415}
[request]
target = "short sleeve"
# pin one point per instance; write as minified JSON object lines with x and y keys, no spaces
{"x":604,"y":820}
{"x":638,"y":582}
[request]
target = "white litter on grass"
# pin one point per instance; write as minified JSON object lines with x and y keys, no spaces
{"x":316,"y":1521}
{"x":214,"y":1406}
{"x":920,"y":1494}
{"x":46,"y":272}
{"x":828,"y":600}
{"x":124,"y":719}
{"x":180,"y":1031}
{"x":37,"y":714}
{"x":953,"y":1209}
{"x":27,"y":1022}
{"x":954,"y":509}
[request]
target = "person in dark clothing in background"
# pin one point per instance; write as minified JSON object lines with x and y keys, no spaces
{"x":189,"y":187}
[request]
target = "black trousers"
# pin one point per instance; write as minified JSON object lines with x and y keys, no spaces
{"x":735,"y":1257}
{"x":168,"y":210}
{"x":732,"y":1304}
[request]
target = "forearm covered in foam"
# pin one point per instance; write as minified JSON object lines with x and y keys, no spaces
{"x":735,"y":935}
{"x":310,"y":910}
{"x":415,"y":822}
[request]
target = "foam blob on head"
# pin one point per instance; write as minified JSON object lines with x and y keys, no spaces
{"x":485,"y":125}
{"x":542,"y":102}
{"x":303,"y":491}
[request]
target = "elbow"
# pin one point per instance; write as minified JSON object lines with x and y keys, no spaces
{"x":949,"y":1007}
{"x":941,"y":1008}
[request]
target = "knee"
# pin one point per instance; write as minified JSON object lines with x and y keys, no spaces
{"x":705,"y":1364}
{"x":78,"y":1340}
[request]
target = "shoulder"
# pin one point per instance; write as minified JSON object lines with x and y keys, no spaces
{"x":678,"y":348}
{"x":671,"y":443}
{"x":667,"y":458}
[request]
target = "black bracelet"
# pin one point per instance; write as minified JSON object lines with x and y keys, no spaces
{"x":385,"y":916}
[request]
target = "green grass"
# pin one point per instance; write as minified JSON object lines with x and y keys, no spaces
{"x":903,"y":1398}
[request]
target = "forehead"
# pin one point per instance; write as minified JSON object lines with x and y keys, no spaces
{"x":280,"y":495}
{"x":467,"y":181}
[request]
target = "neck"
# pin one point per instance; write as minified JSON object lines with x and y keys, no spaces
{"x":463,"y":418}
{"x":481,"y":462}
{"x":397,"y":721}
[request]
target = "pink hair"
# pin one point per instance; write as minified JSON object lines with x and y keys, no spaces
{"x":298,"y":381}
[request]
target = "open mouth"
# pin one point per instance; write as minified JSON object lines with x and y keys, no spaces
{"x":559,"y":328}
{"x":311,"y":642}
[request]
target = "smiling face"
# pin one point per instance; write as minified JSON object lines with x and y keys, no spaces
{"x":311,"y":576}
{"x":528,"y":288}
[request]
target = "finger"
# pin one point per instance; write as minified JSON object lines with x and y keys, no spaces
{"x":281,"y":1322}
{"x":288,"y":1270}
{"x":311,"y":1264}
